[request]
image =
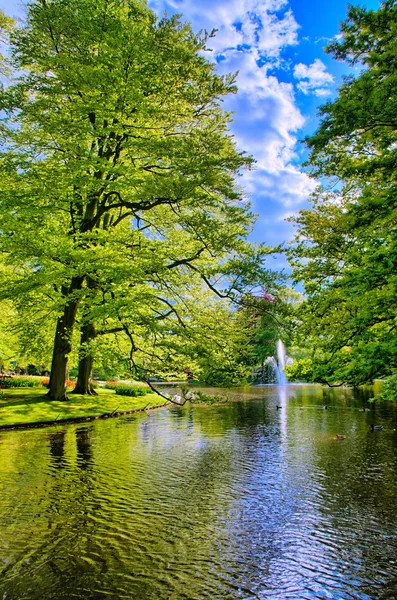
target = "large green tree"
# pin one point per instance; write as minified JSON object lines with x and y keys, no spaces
{"x":345,"y":251}
{"x":118,"y":170}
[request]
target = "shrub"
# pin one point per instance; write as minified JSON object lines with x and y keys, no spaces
{"x":389,"y":391}
{"x":201,"y":398}
{"x":226,"y":375}
{"x":300,"y":370}
{"x":20,"y":382}
{"x":129,"y":390}
{"x":111,"y":385}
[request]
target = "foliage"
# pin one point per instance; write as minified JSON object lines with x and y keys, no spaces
{"x":227,"y":374}
{"x":269,"y":318}
{"x":300,"y":370}
{"x":8,"y":338}
{"x":389,"y":391}
{"x":6,"y":26}
{"x":119,"y":193}
{"x":202,"y":398}
{"x":26,"y":327}
{"x":111,"y":385}
{"x":20,"y":382}
{"x":358,"y":130}
{"x":129,"y":390}
{"x":346,"y":246}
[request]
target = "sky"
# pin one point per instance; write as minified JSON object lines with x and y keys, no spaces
{"x":284,"y":76}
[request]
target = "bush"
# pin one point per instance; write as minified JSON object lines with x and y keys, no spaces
{"x":227,"y":375}
{"x":201,"y":398}
{"x":389,"y":391}
{"x":20,"y":382}
{"x":129,"y":390}
{"x":111,"y":385}
{"x":300,"y":370}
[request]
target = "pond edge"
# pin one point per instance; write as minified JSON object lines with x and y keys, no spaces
{"x":108,"y":415}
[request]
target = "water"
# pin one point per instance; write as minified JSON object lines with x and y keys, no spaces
{"x":281,"y":376}
{"x":236,"y":501}
{"x":273,"y":369}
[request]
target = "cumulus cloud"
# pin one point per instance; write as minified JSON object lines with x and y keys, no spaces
{"x":252,"y":36}
{"x":314,"y":78}
{"x":267,"y":25}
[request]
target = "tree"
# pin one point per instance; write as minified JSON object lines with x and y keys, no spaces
{"x":8,"y":341}
{"x":345,"y":250}
{"x":173,"y":310}
{"x":269,"y":317}
{"x":116,"y":139}
{"x":6,"y":26}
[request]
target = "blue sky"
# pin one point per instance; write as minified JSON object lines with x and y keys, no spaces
{"x":284,"y":75}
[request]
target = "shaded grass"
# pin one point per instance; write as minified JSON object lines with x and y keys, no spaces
{"x":30,"y":405}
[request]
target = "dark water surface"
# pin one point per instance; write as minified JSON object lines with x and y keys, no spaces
{"x":241,"y":500}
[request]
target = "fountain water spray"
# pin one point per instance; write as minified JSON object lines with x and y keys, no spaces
{"x":272,"y":370}
{"x":278,"y":365}
{"x":281,"y":359}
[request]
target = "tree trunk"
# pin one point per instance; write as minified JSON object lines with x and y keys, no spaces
{"x":63,"y":345}
{"x":86,"y":360}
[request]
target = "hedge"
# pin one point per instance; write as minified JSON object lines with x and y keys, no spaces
{"x":20,"y":382}
{"x":129,"y":390}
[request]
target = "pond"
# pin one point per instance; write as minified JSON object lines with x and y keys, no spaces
{"x":238,"y":500}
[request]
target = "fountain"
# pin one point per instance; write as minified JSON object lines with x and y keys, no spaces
{"x":281,"y":359}
{"x":272,"y":370}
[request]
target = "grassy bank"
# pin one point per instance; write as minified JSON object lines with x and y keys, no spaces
{"x":30,"y":405}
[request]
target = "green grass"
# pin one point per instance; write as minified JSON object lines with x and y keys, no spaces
{"x":30,"y":405}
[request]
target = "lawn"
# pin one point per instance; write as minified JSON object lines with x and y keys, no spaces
{"x":30,"y":405}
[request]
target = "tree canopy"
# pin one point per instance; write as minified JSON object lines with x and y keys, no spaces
{"x":120,"y":200}
{"x":345,"y":247}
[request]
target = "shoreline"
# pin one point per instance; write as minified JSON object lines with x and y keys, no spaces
{"x":71,"y":420}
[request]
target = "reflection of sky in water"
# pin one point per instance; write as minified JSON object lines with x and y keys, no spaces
{"x":282,"y":402}
{"x":241,"y":500}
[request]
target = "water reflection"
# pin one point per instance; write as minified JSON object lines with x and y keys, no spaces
{"x":241,"y":500}
{"x":84,"y":447}
{"x":282,"y":407}
{"x":57,"y":447}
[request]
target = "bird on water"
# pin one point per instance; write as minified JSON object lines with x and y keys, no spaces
{"x":376,"y":427}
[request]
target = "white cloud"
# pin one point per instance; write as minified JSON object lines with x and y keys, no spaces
{"x":266,"y":25}
{"x":313,"y":78}
{"x":251,"y":37}
{"x":289,"y":188}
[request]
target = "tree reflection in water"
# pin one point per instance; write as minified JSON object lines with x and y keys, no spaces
{"x":239,"y":500}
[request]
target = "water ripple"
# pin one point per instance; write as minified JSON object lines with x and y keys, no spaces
{"x":238,"y":501}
